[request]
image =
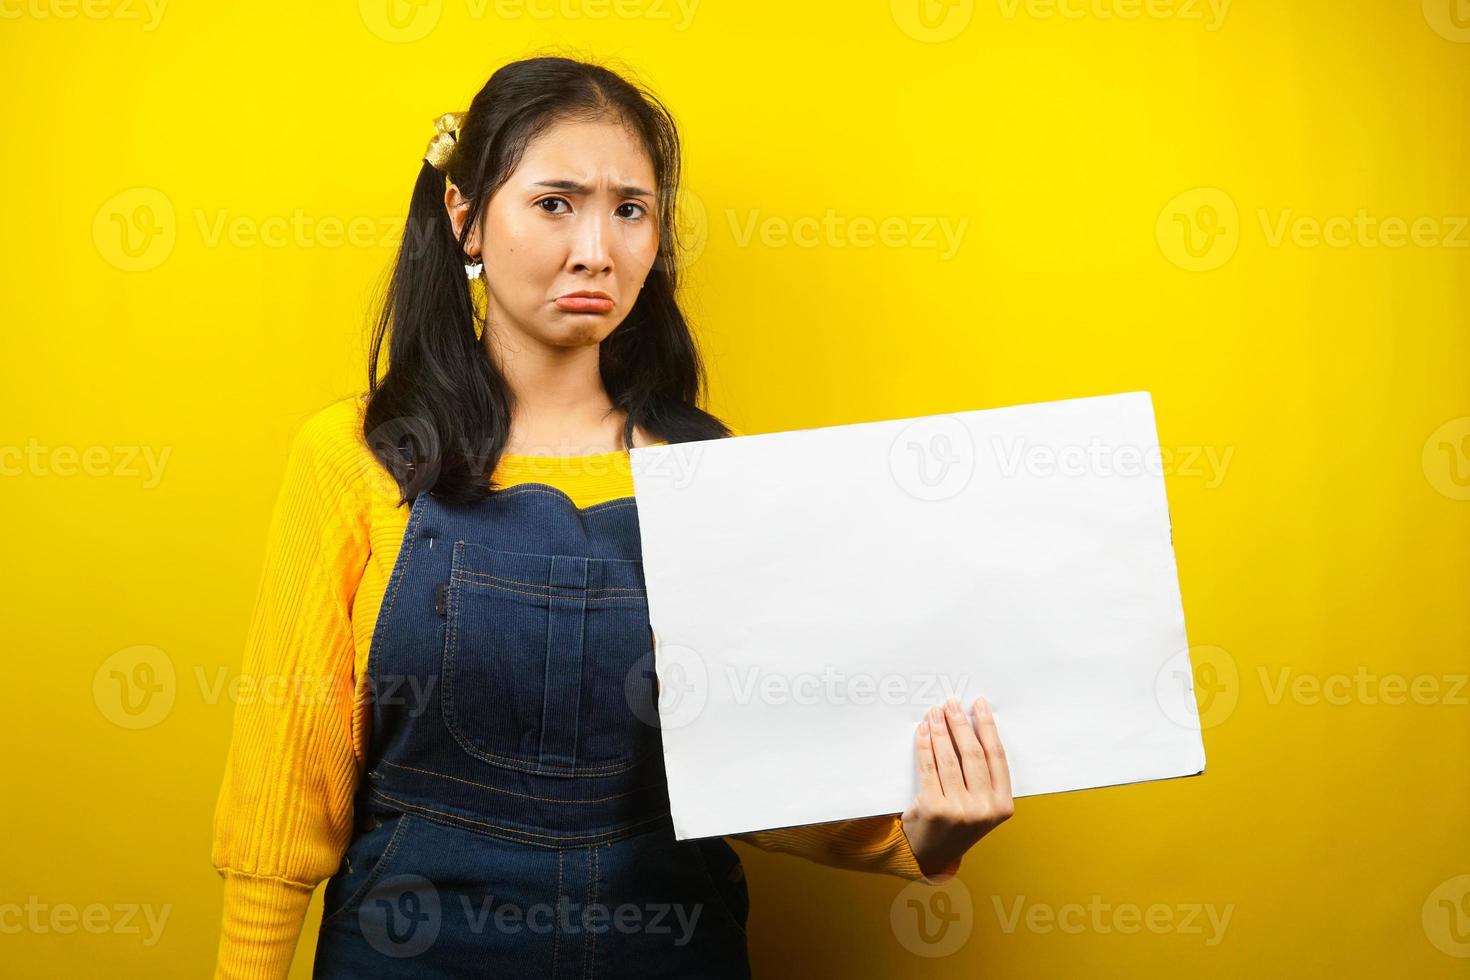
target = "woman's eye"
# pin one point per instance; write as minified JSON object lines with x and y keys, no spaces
{"x":639,"y":211}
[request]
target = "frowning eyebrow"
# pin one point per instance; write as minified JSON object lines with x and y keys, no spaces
{"x":571,"y":186}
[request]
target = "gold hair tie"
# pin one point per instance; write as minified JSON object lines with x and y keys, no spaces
{"x":446,"y":134}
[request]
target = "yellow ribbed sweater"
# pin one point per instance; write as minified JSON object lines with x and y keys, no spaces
{"x":283,"y":817}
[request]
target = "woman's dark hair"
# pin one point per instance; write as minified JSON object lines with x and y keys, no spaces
{"x":440,"y":416}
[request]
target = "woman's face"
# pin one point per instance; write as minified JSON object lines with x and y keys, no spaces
{"x":578,"y":214}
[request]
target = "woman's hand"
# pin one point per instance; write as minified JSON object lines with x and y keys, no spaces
{"x":964,"y":785}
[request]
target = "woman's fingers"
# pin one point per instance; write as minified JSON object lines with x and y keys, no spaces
{"x":951,"y":779}
{"x":924,"y":761}
{"x":948,"y":816}
{"x":995,"y":753}
{"x":971,"y":753}
{"x":957,"y":760}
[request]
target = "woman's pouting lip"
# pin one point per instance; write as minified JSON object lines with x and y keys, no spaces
{"x":584,"y":303}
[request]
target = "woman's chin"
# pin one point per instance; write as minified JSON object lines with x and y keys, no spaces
{"x":580,"y":329}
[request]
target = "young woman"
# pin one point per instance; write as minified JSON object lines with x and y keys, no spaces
{"x":452,"y":613}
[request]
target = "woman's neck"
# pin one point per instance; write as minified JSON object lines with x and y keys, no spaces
{"x":560,"y":405}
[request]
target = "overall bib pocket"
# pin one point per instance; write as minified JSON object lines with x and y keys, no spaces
{"x":538,"y":651}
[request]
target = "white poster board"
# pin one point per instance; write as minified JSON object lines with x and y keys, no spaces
{"x":813,"y":592}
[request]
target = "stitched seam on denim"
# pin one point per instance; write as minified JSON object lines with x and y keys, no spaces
{"x":540,"y":770}
{"x":450,"y":655}
{"x":547,"y":687}
{"x":622,"y":832}
{"x":394,"y":840}
{"x":591,"y":891}
{"x":472,"y":575}
{"x":556,"y":935}
{"x":552,"y":595}
{"x":536,"y":554}
{"x":614,"y":504}
{"x":507,"y":792}
{"x":514,"y":830}
{"x":549,"y":490}
{"x":395,"y":579}
{"x":534,"y":769}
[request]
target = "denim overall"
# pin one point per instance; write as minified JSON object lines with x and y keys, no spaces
{"x":514,"y":821}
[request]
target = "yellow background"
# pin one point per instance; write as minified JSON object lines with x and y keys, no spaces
{"x":1076,"y":144}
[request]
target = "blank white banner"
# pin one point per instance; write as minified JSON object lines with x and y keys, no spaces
{"x":813,"y":592}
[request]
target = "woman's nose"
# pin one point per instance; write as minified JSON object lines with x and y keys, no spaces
{"x":590,"y":243}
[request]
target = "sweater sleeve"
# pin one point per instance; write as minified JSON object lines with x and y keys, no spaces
{"x":284,"y":812}
{"x":876,"y":844}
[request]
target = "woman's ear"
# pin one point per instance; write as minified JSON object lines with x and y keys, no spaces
{"x":458,"y":208}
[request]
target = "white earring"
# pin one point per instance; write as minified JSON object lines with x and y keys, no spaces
{"x":472,"y":270}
